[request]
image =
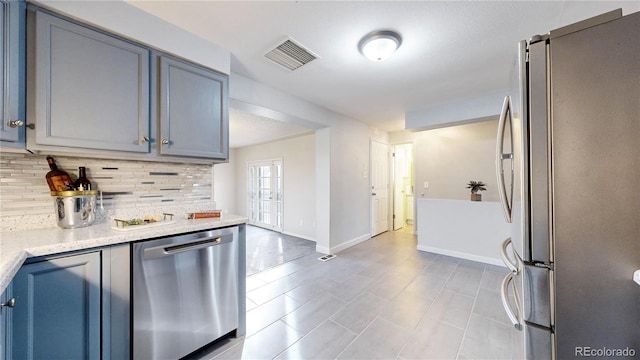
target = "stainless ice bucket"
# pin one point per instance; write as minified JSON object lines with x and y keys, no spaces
{"x":74,"y":209}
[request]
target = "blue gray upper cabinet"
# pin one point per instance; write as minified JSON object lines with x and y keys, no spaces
{"x":90,"y":90}
{"x":12,"y":74}
{"x":194,"y":114}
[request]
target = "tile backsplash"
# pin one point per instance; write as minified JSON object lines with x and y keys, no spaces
{"x":129,"y":188}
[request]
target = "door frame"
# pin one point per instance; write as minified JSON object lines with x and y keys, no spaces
{"x":393,"y":180}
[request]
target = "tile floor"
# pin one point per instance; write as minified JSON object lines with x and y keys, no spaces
{"x":381,"y":299}
{"x":266,"y":249}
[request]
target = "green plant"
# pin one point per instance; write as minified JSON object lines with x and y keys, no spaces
{"x":476,"y":186}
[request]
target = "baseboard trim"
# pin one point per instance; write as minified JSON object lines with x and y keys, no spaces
{"x":461,"y":255}
{"x":299,"y":236}
{"x":322,"y":249}
{"x":350,"y":243}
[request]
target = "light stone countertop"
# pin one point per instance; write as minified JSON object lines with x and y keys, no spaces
{"x":17,"y":246}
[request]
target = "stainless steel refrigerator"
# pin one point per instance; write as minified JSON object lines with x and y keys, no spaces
{"x":568,"y":164}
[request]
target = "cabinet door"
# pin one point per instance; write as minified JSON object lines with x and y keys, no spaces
{"x":6,"y":313}
{"x":194,"y":114}
{"x":57,"y":311}
{"x":12,"y":109}
{"x":90,"y":90}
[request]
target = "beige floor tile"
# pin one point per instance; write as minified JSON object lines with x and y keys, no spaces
{"x":380,"y":299}
{"x":358,"y":314}
{"x":266,"y":344}
{"x":313,"y":313}
{"x":433,"y":339}
{"x":452,"y":308}
{"x":381,"y":340}
{"x":268,"y":313}
{"x":488,"y":339}
{"x":406,"y":310}
{"x":324,"y":342}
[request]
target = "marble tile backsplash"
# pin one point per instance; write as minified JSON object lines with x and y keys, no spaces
{"x":129,"y":188}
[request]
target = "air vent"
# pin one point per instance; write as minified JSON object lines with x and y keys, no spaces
{"x":290,"y":55}
{"x":326,"y":257}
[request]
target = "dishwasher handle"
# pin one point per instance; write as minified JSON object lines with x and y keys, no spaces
{"x":170,"y":250}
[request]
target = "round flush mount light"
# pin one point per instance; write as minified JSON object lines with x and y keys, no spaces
{"x":379,"y":45}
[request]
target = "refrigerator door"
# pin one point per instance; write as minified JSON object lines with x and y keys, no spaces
{"x":596,"y":167}
{"x":519,"y":119}
{"x":537,"y":295}
{"x":539,"y":342}
{"x":539,"y":249}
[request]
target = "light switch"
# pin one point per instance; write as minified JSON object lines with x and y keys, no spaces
{"x":426,"y":184}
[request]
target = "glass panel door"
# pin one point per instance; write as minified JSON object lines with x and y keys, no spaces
{"x":265,"y":193}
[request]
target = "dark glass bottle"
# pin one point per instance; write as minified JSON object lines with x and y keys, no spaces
{"x":57,"y":179}
{"x":82,"y":183}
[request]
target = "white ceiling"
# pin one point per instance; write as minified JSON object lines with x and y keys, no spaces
{"x":249,"y":129}
{"x":450,"y":50}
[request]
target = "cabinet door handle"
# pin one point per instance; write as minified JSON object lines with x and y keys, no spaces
{"x":11,"y":303}
{"x":165,"y":142}
{"x":16,"y":123}
{"x":144,"y":139}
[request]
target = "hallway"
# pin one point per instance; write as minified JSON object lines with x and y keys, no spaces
{"x":380,"y":299}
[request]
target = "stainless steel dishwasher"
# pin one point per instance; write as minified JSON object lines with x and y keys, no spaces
{"x":185,"y":292}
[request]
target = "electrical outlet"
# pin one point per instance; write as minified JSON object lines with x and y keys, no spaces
{"x":426,"y":185}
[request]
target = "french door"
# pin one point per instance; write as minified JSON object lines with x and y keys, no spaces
{"x":265,"y":193}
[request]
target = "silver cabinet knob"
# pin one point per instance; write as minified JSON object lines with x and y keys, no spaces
{"x":144,"y":139}
{"x":16,"y":123}
{"x":11,"y":303}
{"x":165,"y":142}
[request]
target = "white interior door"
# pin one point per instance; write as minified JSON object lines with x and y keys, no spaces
{"x":265,"y":193}
{"x":379,"y":154}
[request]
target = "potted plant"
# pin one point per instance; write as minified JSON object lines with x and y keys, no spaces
{"x":476,"y":186}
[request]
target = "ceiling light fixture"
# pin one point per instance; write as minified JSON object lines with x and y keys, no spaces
{"x":379,"y":45}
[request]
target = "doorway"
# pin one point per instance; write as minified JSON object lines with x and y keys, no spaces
{"x":402,"y":175}
{"x":264,"y":196}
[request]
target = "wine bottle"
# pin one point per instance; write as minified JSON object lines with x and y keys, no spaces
{"x":57,"y":179}
{"x":82,"y":183}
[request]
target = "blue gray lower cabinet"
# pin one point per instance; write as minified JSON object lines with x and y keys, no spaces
{"x":57,"y":311}
{"x":77,"y":305}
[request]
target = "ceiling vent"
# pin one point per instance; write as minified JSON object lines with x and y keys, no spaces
{"x":290,"y":55}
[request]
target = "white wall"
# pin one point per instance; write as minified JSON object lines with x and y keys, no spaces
{"x":224,"y":183}
{"x":299,"y":197}
{"x":465,"y":229}
{"x":449,"y":158}
{"x":457,"y":112}
{"x":347,"y":178}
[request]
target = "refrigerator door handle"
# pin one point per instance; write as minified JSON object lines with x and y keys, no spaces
{"x":514,"y":265}
{"x":501,"y":156}
{"x":514,"y":316}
